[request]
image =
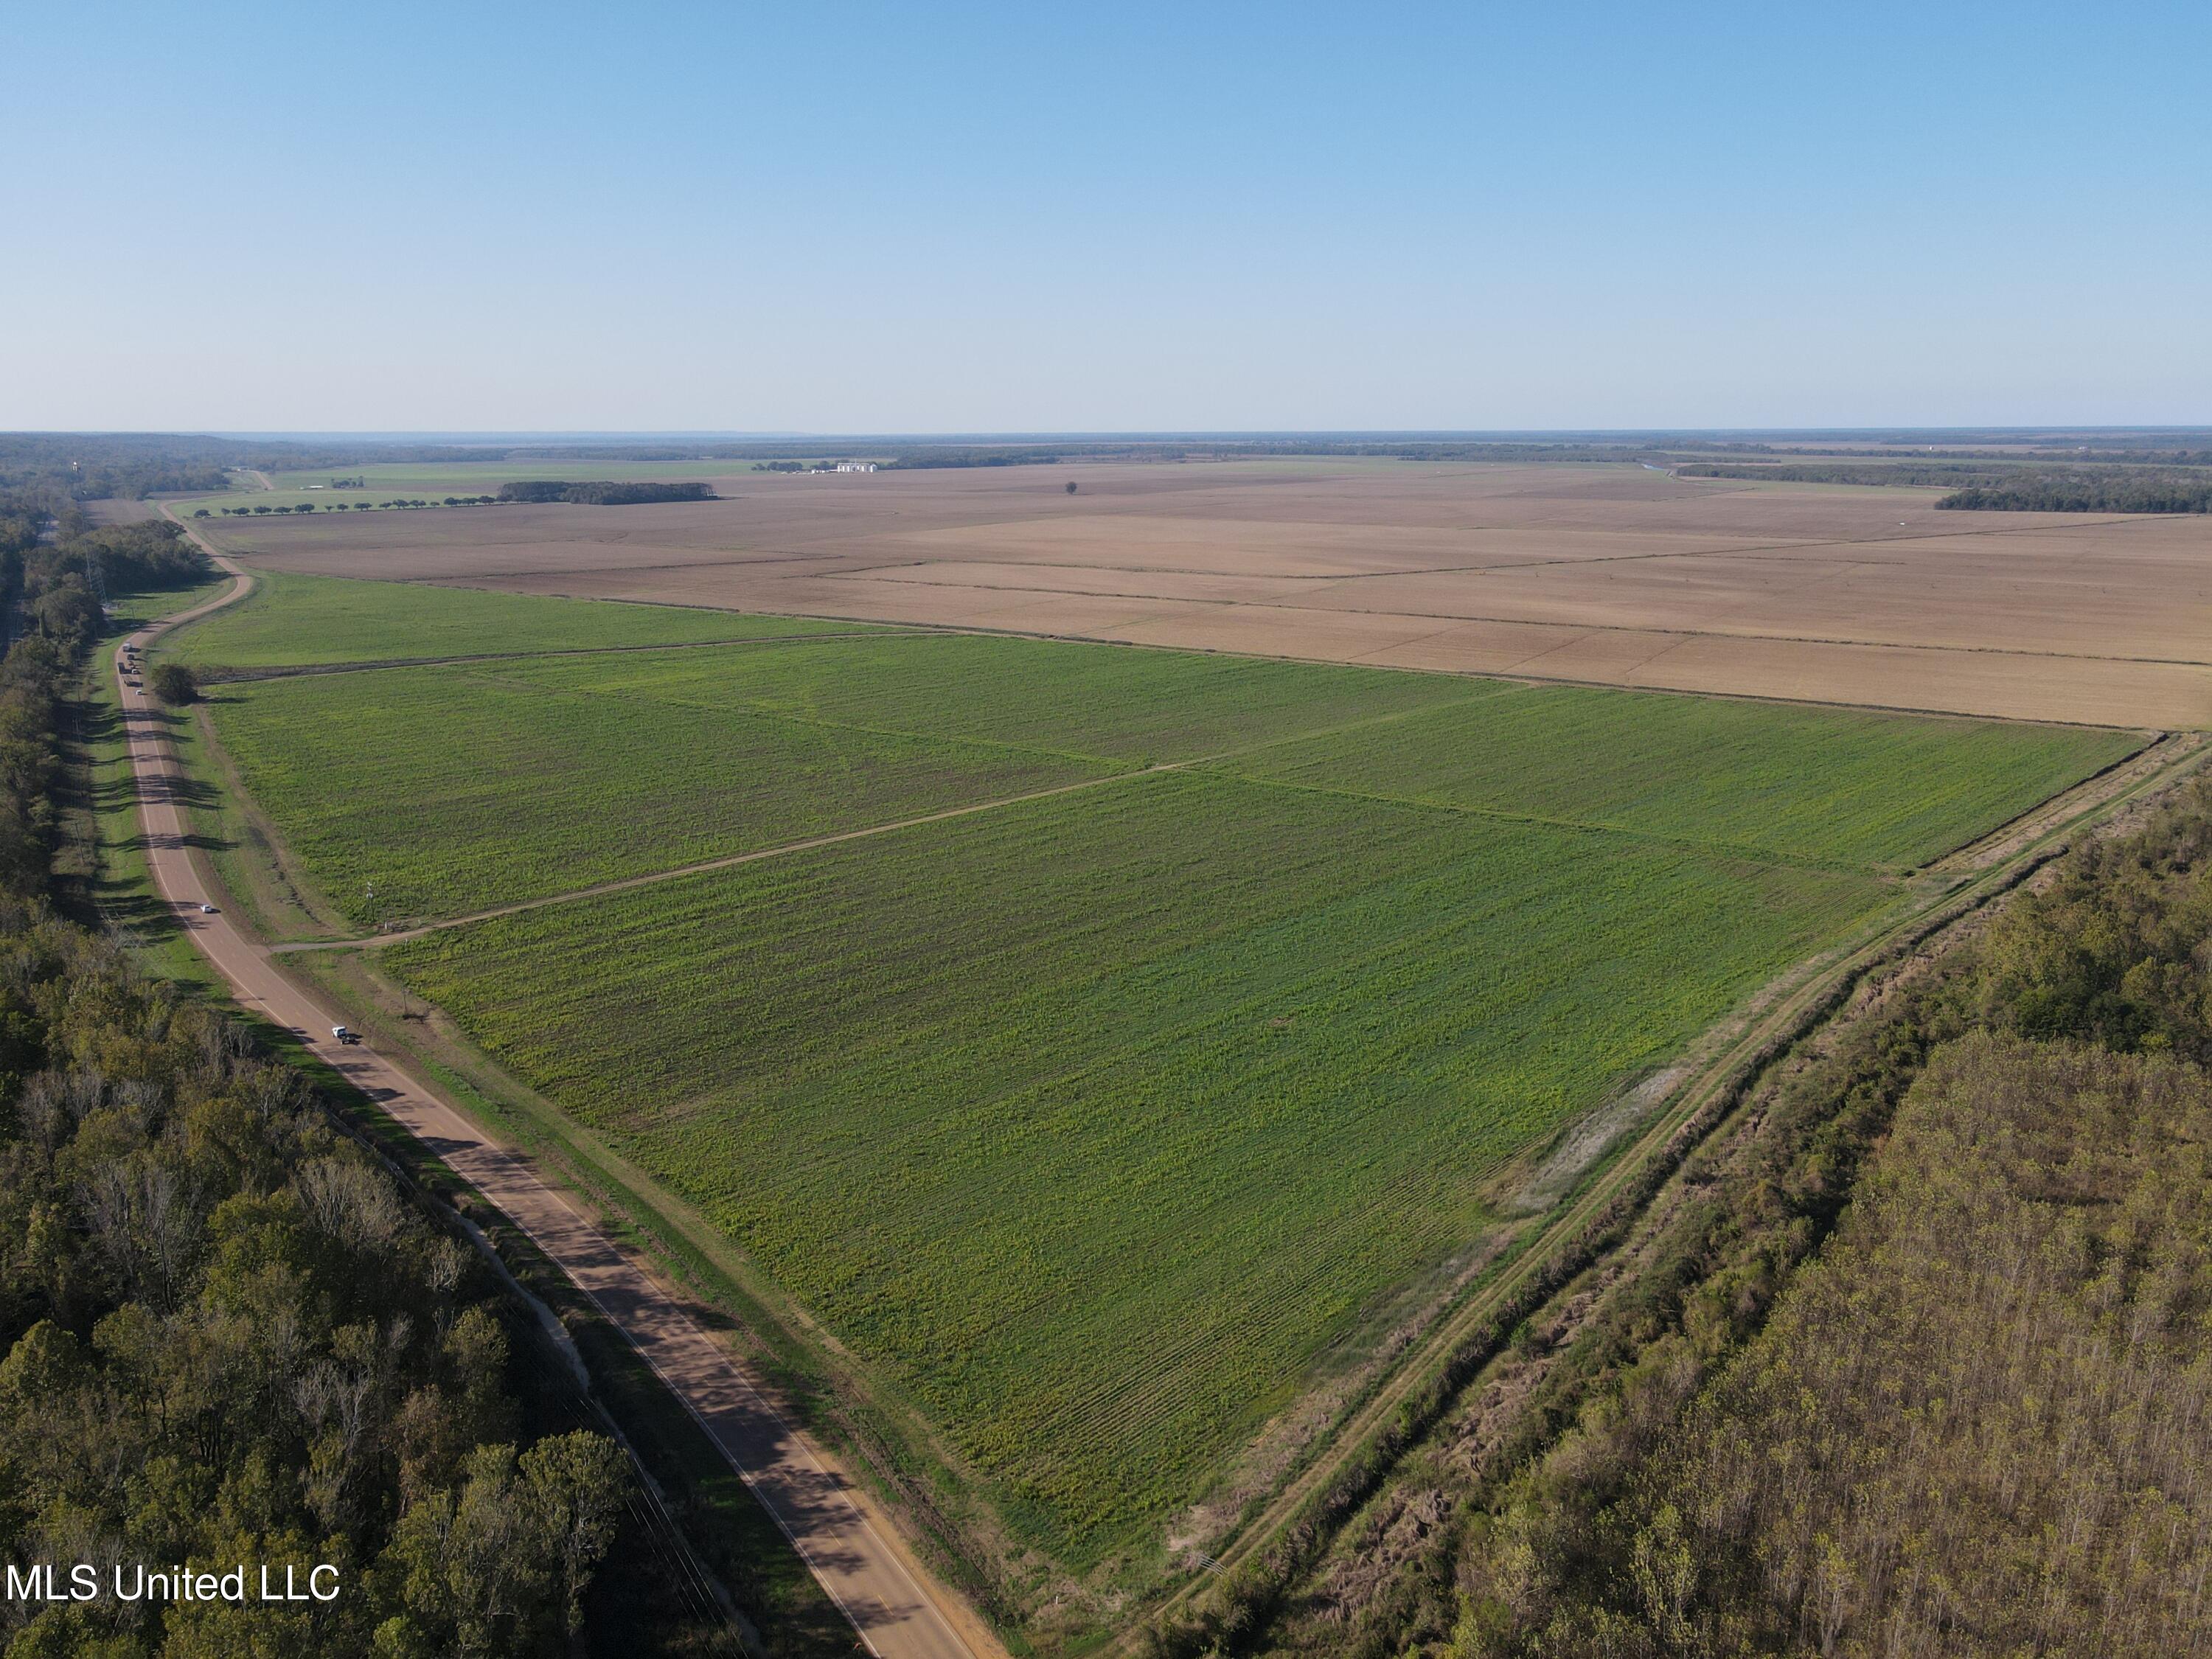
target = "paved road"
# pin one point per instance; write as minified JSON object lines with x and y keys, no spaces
{"x":898,"y":1613}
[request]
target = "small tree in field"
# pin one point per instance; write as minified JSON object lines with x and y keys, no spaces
{"x":174,"y":684}
{"x":1071,"y":486}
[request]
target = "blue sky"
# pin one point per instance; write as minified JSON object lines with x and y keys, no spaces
{"x":1118,"y":217}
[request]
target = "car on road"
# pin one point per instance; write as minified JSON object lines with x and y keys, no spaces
{"x":207,"y":910}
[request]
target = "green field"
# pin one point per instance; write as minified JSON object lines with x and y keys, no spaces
{"x":433,"y":481}
{"x":450,"y":791}
{"x":454,"y":789}
{"x":1088,"y":1124}
{"x":1100,"y":702}
{"x":1822,"y":785}
{"x":292,"y":621}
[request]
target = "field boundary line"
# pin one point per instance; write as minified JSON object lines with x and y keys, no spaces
{"x":1454,"y":619}
{"x":1918,"y":711}
{"x":1730,"y":849}
{"x":227,"y":674}
{"x":491,"y":585}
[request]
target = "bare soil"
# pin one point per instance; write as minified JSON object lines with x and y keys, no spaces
{"x":1608,"y":574}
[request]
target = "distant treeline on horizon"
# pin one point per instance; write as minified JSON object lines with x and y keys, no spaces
{"x":2141,"y":470}
{"x":2183,"y":483}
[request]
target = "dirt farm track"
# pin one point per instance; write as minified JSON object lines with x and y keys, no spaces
{"x":896,"y":1611}
{"x":1609,"y":574}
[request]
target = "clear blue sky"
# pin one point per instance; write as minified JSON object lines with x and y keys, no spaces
{"x":944,"y":217}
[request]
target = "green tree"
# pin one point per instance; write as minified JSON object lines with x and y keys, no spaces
{"x":174,"y":684}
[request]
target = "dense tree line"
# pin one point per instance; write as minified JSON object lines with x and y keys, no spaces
{"x":932,"y":459}
{"x":603,"y":493}
{"x":231,"y":1341}
{"x":1983,"y":486}
{"x":1950,"y":474}
{"x":2119,"y":490}
{"x":226,"y":1336}
{"x":1976,"y":1419}
{"x":1982,"y":1420}
{"x":50,"y":584}
{"x":260,"y":509}
{"x":91,"y":467}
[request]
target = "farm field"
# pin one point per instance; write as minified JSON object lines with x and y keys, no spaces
{"x":458,"y":790}
{"x":468,"y":786}
{"x":1096,"y":701}
{"x":1606,"y":573}
{"x":433,"y":480}
{"x":293,"y":621}
{"x":1819,"y":786}
{"x":1089,"y":1124}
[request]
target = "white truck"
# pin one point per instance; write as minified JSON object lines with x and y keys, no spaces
{"x":346,"y":1038}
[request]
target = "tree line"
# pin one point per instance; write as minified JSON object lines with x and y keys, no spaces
{"x":604,"y":493}
{"x":2115,"y":491}
{"x":227,"y":1333}
{"x":263,"y":508}
{"x":1914,"y":1360}
{"x":2105,"y":487}
{"x":1948,"y":474}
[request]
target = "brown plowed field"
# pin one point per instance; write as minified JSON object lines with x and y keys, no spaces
{"x":1614,"y":574}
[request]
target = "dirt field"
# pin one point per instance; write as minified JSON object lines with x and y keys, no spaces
{"x":1611,"y":574}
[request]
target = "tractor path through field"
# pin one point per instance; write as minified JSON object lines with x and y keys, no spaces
{"x":759,"y":853}
{"x":854,"y":1555}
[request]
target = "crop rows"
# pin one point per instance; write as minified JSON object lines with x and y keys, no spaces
{"x":1090,"y":1122}
{"x":449,"y":791}
{"x":291,"y":620}
{"x":457,"y":788}
{"x":1106,"y":700}
{"x":1820,"y":785}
